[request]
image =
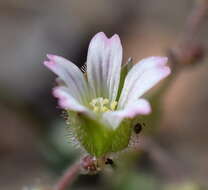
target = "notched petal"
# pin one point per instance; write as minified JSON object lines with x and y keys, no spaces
{"x":104,"y":65}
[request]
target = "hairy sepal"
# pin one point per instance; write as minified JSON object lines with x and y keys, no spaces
{"x":97,"y":138}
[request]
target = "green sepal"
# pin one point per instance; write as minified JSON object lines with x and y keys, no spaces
{"x":121,"y":136}
{"x":97,"y":138}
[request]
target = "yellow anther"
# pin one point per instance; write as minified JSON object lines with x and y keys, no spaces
{"x":105,"y":101}
{"x":96,"y":109}
{"x":93,"y":102}
{"x":104,"y":109}
{"x":100,"y":105}
{"x":113,"y":105}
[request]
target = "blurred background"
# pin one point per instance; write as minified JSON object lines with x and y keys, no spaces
{"x":34,"y":149}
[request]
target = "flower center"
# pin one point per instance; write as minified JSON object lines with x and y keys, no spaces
{"x":100,"y":105}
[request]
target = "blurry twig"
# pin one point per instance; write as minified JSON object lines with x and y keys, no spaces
{"x":68,"y":177}
{"x":195,"y":20}
{"x":88,"y":164}
{"x":189,"y":50}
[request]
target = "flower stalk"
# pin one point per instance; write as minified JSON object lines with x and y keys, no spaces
{"x":67,"y":179}
{"x":87,"y":164}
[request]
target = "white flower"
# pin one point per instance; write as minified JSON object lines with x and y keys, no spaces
{"x":95,"y":95}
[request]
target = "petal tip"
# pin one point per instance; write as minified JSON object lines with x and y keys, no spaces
{"x":160,"y":59}
{"x":164,"y":59}
{"x":47,"y":63}
{"x":100,"y":35}
{"x":115,"y":39}
{"x":144,"y":107}
{"x":62,"y":100}
{"x":55,"y":92}
{"x":167,"y":70}
{"x":147,"y":110}
{"x":50,"y":56}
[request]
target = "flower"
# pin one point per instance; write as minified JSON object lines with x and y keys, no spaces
{"x":103,"y":103}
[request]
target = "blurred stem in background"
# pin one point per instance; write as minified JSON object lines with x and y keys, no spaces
{"x":187,"y":53}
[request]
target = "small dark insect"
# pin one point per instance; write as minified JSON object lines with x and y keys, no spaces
{"x":137,"y":128}
{"x":109,"y":161}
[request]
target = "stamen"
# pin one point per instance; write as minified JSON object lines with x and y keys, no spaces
{"x":100,"y":105}
{"x":113,"y":105}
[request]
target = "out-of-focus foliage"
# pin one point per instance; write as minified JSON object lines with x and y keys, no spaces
{"x":184,"y":186}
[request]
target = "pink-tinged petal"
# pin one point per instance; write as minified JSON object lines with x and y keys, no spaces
{"x":66,"y":101}
{"x":70,"y":74}
{"x":139,"y":107}
{"x":143,"y":76}
{"x":104,"y":65}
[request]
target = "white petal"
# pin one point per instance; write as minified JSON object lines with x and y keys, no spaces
{"x":143,"y":76}
{"x":104,"y":65}
{"x":66,"y":101}
{"x":139,"y":107}
{"x":71,"y":75}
